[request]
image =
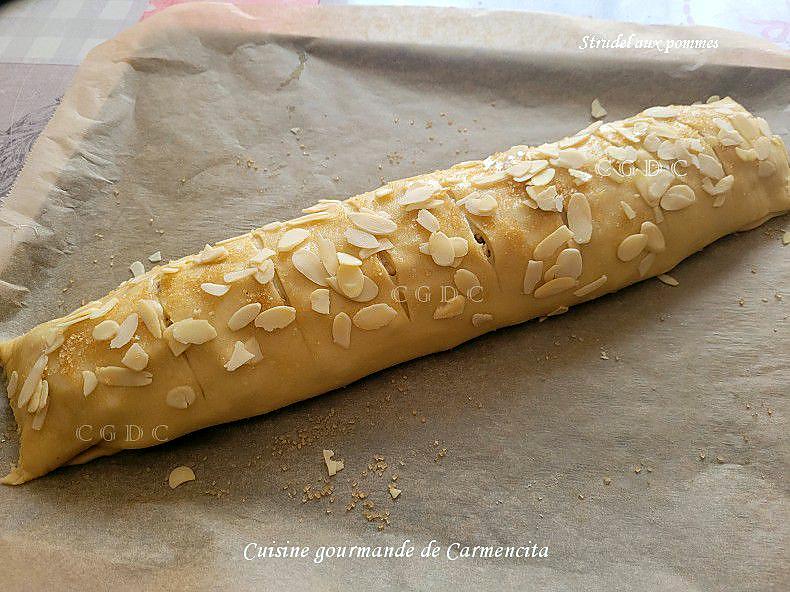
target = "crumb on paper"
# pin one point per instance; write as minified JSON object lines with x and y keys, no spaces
{"x":597,"y":110}
{"x":786,"y":238}
{"x":668,"y":279}
{"x":179,"y":476}
{"x":607,"y":480}
{"x":394,"y":491}
{"x":333,"y":467}
{"x":155,"y":257}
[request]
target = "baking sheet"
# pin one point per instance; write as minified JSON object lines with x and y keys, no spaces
{"x":206,"y":121}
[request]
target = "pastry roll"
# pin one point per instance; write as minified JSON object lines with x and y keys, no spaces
{"x":297,"y":308}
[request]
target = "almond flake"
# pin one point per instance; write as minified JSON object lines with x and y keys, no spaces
{"x":374,"y":316}
{"x":481,"y":318}
{"x":214,"y":289}
{"x":746,"y":126}
{"x":319,"y":301}
{"x":13,"y":381}
{"x":309,"y":265}
{"x":373,"y":223}
{"x":419,"y":193}
{"x":569,"y":263}
{"x":176,"y":347}
{"x":661,"y":112}
{"x":483,"y":205}
{"x":549,"y":245}
{"x":118,"y":376}
{"x":710,"y":167}
{"x":655,"y":238}
{"x":489,"y":180}
{"x":38,"y":419}
{"x":625,"y":154}
{"x":276,"y":317}
{"x":467,"y":282}
{"x":450,"y":309}
{"x":333,"y":467}
{"x":722,"y":186}
{"x":126,"y":331}
{"x":135,"y":358}
{"x":658,"y":184}
{"x":244,"y":316}
{"x":460,"y":247}
{"x":631,"y":247}
{"x":193,"y":331}
{"x":89,"y":382}
{"x":369,"y":289}
{"x":341,"y":330}
{"x":252,"y":346}
{"x":555,"y":286}
{"x":103,"y":309}
{"x":350,"y":280}
{"x":291,"y":239}
{"x":646,"y":263}
{"x":361,"y":239}
{"x":261,"y":256}
{"x":746,"y":154}
{"x":627,"y":210}
{"x":678,"y":197}
{"x":668,"y":279}
{"x":105,"y":330}
{"x":570,"y":158}
{"x":597,"y":110}
{"x":591,"y":287}
{"x":382,"y":192}
{"x":532,"y":276}
{"x":152,"y":315}
{"x":264,"y":274}
{"x":211,"y":255}
{"x":179,"y":476}
{"x":523,"y":171}
{"x":441,"y":249}
{"x":544,"y":177}
{"x":428,"y":221}
{"x":32,"y":380}
{"x":137,"y":269}
{"x":579,"y":177}
{"x":236,"y":276}
{"x":180,"y":397}
{"x":328,"y":254}
{"x":580,"y":218}
{"x":238,"y":357}
{"x":394,"y":491}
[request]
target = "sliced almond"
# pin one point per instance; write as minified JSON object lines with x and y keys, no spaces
{"x":489,"y":180}
{"x":105,"y":330}
{"x":180,"y":397}
{"x":319,"y":301}
{"x":591,"y":287}
{"x":310,"y":266}
{"x":631,"y":247}
{"x":450,"y":309}
{"x":341,"y":330}
{"x":137,"y":268}
{"x":214,"y":289}
{"x":119,"y":376}
{"x":678,"y":197}
{"x":291,"y":239}
{"x":554,"y":287}
{"x":150,"y":312}
{"x":549,"y":245}
{"x":655,"y":238}
{"x":374,"y":316}
{"x":241,"y":274}
{"x":646,"y":263}
{"x":89,"y":382}
{"x":580,"y":218}
{"x":441,"y":249}
{"x":428,"y":221}
{"x":126,"y":331}
{"x":238,"y":357}
{"x":211,"y":255}
{"x":360,"y":238}
{"x":467,"y":282}
{"x":175,"y":346}
{"x":350,"y":280}
{"x":710,"y":166}
{"x":276,"y":317}
{"x":569,"y":263}
{"x":193,"y":331}
{"x":532,"y":276}
{"x":481,"y":318}
{"x":265,"y":272}
{"x":244,"y":316}
{"x":668,"y":279}
{"x":179,"y":476}
{"x":373,"y":223}
{"x":597,"y":110}
{"x":135,"y":357}
{"x":328,"y":254}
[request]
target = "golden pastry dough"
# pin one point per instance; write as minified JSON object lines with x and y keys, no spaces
{"x":297,"y":308}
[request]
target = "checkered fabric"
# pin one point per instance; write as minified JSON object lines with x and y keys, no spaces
{"x":61,"y":31}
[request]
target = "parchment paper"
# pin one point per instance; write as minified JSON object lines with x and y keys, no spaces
{"x":208,"y":120}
